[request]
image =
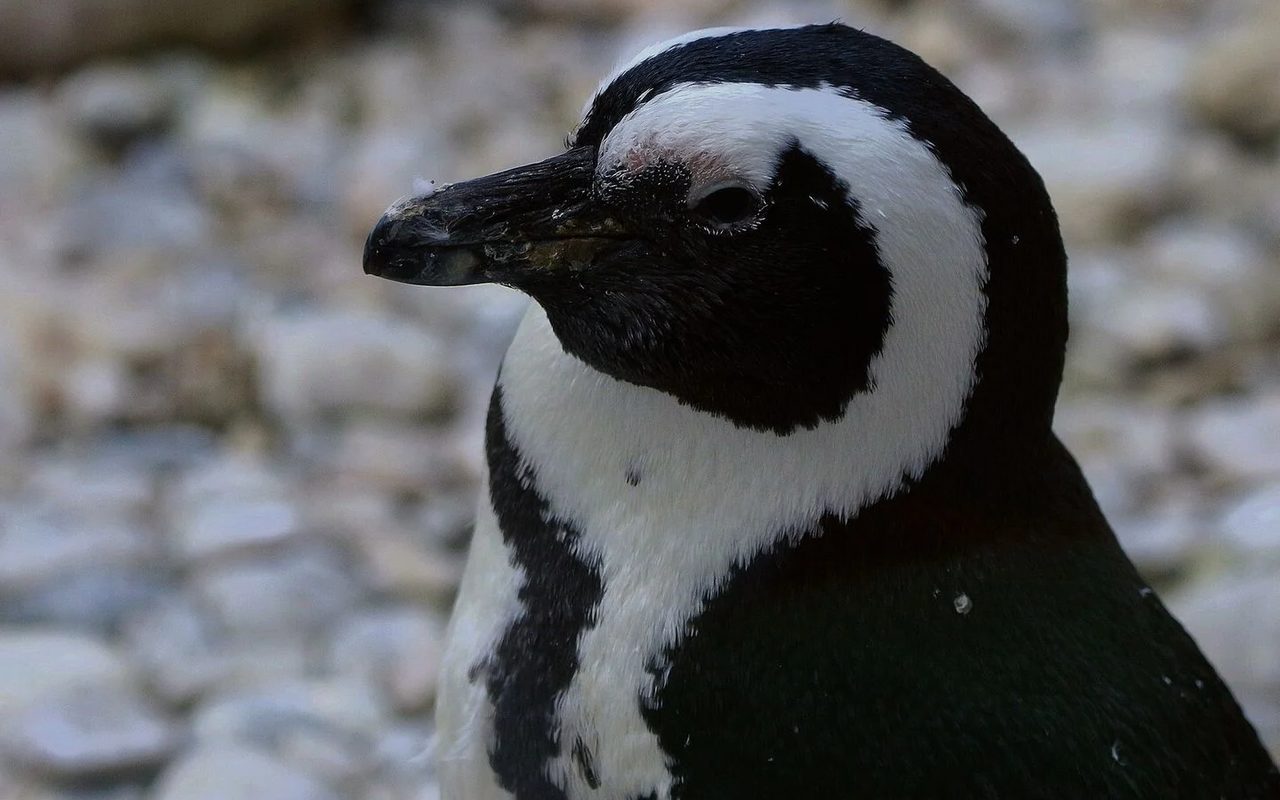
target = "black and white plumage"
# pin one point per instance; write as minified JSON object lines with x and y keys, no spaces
{"x":774,"y":505}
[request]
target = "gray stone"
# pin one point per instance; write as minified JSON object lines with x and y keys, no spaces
{"x":1150,"y":321}
{"x":1226,"y":265}
{"x":395,"y":562}
{"x":175,"y":646}
{"x":235,"y":772}
{"x":251,"y":151}
{"x":445,"y":521}
{"x":1234,"y":620}
{"x":163,"y":446}
{"x":185,"y":655}
{"x":231,"y":505}
{"x":1220,"y":182}
{"x":1051,"y":23}
{"x":1161,"y":541}
{"x":54,"y":34}
{"x":1240,"y":437}
{"x":1137,"y":67}
{"x":35,"y":663}
{"x":95,"y":598}
{"x":1233,"y":84}
{"x":41,"y":543}
{"x":93,"y":486}
{"x":406,"y":760}
{"x":294,"y":591}
{"x":1138,"y":435}
{"x":215,"y":527}
{"x":17,"y":393}
{"x":1094,"y":278}
{"x":112,"y":103}
{"x":36,"y":153}
{"x":265,"y":714}
{"x":99,"y":733}
{"x":397,"y":649}
{"x":148,"y":212}
{"x":1106,"y":177}
{"x":429,"y":791}
{"x":94,"y":389}
{"x":1251,"y":523}
{"x":318,"y":362}
{"x":395,"y":457}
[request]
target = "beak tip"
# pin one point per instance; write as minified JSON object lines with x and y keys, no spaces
{"x":375,"y":249}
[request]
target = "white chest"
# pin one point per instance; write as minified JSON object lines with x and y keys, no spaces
{"x":664,"y":501}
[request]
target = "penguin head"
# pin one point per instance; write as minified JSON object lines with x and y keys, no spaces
{"x":767,"y":224}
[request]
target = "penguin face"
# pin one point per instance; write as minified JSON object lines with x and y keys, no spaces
{"x":743,"y":261}
{"x":762,"y":224}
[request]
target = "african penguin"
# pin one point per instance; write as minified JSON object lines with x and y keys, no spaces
{"x":774,"y":507}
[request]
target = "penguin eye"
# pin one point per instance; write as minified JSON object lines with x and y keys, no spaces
{"x":726,"y":206}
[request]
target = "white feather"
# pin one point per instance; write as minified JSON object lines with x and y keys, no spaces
{"x":487,"y":601}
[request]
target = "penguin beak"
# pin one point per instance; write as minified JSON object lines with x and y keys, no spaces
{"x":504,"y":228}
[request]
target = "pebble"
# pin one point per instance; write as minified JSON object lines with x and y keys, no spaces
{"x":296,"y":591}
{"x":291,"y":726}
{"x":1229,"y":267}
{"x":176,"y":647}
{"x":93,"y":486}
{"x":36,"y":663}
{"x":1148,"y":321}
{"x":1238,"y":437}
{"x":94,"y":599}
{"x":1232,"y":85}
{"x":1106,"y":177}
{"x":398,"y":649}
{"x":264,"y":714}
{"x":328,"y":361}
{"x":215,"y":527}
{"x":395,"y":457}
{"x":1140,"y":68}
{"x":37,"y":155}
{"x":1052,"y":23}
{"x":162,"y":447}
{"x":1138,"y":436}
{"x":395,"y":563}
{"x":230,"y":506}
{"x":89,"y":733}
{"x":112,"y":104}
{"x":40,"y":543}
{"x":143,"y":218}
{"x":1251,"y":523}
{"x":56,"y":33}
{"x":17,"y":417}
{"x":225,"y":771}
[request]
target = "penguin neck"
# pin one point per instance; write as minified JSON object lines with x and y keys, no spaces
{"x":596,"y":445}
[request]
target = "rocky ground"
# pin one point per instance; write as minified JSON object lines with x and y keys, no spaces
{"x":237,"y":474}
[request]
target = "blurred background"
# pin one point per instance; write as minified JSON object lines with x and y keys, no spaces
{"x":237,"y":475}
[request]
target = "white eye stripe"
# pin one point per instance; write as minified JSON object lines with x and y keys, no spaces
{"x":652,"y":51}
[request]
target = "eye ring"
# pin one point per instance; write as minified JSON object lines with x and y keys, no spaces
{"x":726,"y":206}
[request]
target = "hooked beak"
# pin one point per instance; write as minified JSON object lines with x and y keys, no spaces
{"x":530,"y":221}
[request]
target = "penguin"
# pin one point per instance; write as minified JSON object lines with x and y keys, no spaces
{"x":775,"y":508}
